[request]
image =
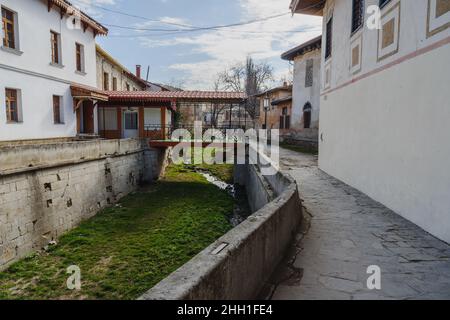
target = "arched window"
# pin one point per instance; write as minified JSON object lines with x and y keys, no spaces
{"x":307,"y":109}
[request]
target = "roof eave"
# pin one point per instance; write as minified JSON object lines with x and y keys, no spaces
{"x":311,"y":45}
{"x":67,"y":9}
{"x":309,"y":7}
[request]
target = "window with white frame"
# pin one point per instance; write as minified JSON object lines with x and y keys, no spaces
{"x":329,"y":38}
{"x":13,"y":105}
{"x":55,"y":43}
{"x":79,"y":57}
{"x":357,"y":14}
{"x":58,"y":114}
{"x":9,"y":29}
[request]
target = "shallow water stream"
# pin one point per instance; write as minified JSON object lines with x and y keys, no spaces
{"x":241,"y":209}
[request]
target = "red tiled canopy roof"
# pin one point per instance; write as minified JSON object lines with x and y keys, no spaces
{"x":175,"y":95}
{"x":159,"y":96}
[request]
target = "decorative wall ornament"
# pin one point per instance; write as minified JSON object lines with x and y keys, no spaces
{"x":389,"y":35}
{"x":356,"y":55}
{"x":438,"y":18}
{"x":327,"y":75}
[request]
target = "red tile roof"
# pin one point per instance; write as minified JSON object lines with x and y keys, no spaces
{"x":158,"y":96}
{"x":175,"y":95}
{"x":85,"y":89}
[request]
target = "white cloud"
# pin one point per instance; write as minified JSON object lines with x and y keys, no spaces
{"x":163,"y":23}
{"x":263,"y":40}
{"x":88,"y":6}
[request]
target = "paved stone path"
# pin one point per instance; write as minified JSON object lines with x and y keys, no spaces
{"x":344,"y":233}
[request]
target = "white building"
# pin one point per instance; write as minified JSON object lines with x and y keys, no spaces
{"x":305,"y":90}
{"x":385,"y":103}
{"x":113,"y":76}
{"x":45,"y":48}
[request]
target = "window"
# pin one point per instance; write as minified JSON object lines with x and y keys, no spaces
{"x":357,"y":14}
{"x":9,"y":27}
{"x":383,"y":3}
{"x":131,"y":121}
{"x":285,"y":119}
{"x":307,"y":109}
{"x":12,"y":106}
{"x":105,"y":81}
{"x":329,"y":39}
{"x":128,"y":87}
{"x":55,"y":44}
{"x":79,"y":53}
{"x":114,"y":84}
{"x":57,"y":111}
{"x":309,"y":73}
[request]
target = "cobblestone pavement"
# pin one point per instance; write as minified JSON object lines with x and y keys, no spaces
{"x":344,"y":233}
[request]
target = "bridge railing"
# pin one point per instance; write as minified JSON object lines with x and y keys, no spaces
{"x":164,"y":132}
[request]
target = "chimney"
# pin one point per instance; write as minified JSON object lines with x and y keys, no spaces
{"x":138,"y":71}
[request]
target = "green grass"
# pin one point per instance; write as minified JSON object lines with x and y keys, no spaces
{"x":125,"y":250}
{"x":299,"y":149}
{"x":222,"y":171}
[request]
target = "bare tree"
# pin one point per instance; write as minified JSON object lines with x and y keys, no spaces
{"x":251,"y":77}
{"x":216,"y":108}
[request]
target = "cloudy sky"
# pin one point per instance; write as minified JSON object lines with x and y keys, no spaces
{"x":165,"y":35}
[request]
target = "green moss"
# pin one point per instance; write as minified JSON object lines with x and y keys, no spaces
{"x":126,"y":249}
{"x":223,"y":171}
{"x":299,"y":149}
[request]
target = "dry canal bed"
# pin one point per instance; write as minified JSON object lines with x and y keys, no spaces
{"x":126,"y":249}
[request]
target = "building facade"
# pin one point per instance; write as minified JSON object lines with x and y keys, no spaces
{"x":385,"y":103}
{"x":113,"y":76}
{"x":305,"y":90}
{"x":46,"y":46}
{"x":275,"y":108}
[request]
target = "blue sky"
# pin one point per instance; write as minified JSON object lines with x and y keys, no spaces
{"x":193,"y":59}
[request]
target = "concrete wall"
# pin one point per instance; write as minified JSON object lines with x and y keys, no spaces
{"x":19,"y":158}
{"x":38,"y":205}
{"x":385,"y":127}
{"x":258,"y":189}
{"x":237,"y":265}
{"x":29,"y":71}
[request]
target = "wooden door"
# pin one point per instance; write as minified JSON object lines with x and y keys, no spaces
{"x":88,"y":117}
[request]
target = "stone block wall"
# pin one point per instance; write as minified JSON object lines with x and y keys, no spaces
{"x":39,"y":205}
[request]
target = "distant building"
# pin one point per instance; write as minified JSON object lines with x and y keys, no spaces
{"x":113,"y":76}
{"x":385,"y":103}
{"x":305,"y":91}
{"x":160,"y":87}
{"x":275,"y":108}
{"x":46,"y":46}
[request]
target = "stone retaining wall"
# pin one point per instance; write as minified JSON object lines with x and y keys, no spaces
{"x":238,"y":264}
{"x":65,"y":184}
